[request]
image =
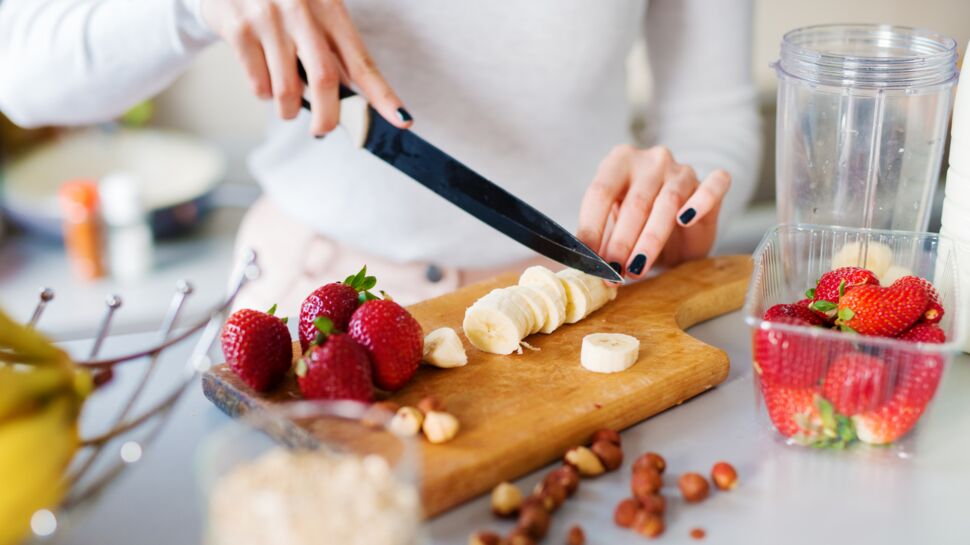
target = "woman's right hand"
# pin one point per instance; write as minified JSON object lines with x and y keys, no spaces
{"x":269,"y":36}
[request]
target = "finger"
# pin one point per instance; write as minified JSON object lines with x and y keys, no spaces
{"x":251,"y":55}
{"x":706,"y":199}
{"x":608,"y":231}
{"x":609,"y":185}
{"x":281,"y":61}
{"x":321,"y":70}
{"x":361,"y":68}
{"x":648,"y":177}
{"x":660,"y":224}
{"x":701,"y":232}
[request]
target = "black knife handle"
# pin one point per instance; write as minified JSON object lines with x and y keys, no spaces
{"x":343,"y":91}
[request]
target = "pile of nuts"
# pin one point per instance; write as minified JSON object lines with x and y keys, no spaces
{"x":429,"y":416}
{"x":533,"y":513}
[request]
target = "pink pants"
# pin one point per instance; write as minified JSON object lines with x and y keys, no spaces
{"x":294,"y":260}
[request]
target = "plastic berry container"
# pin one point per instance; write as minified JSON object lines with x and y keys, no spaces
{"x":822,"y":387}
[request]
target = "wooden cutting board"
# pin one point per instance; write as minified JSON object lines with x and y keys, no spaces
{"x":520,"y":412}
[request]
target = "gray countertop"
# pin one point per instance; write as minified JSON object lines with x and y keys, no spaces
{"x":786,"y":494}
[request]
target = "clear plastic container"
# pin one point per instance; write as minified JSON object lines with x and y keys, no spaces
{"x":797,"y":393}
{"x":358,"y":485}
{"x":861,"y":124}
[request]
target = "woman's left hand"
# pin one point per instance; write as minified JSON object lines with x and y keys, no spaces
{"x":644,"y":209}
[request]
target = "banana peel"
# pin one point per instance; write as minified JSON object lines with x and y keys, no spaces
{"x":41,"y":395}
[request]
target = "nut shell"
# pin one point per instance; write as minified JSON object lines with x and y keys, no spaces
{"x":645,"y":483}
{"x":724,"y":476}
{"x":585,"y":462}
{"x":484,"y":538}
{"x":519,"y":537}
{"x":551,"y":493}
{"x":406,"y":421}
{"x":648,"y":524}
{"x":694,"y":487}
{"x":606,"y":434}
{"x":533,"y":521}
{"x":440,"y":427}
{"x":506,"y":500}
{"x":576,"y":536}
{"x":609,"y":453}
{"x":567,"y":476}
{"x":654,"y":503}
{"x":626,"y":512}
{"x":650,"y":460}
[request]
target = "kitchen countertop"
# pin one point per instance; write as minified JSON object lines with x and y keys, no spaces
{"x":786,"y":494}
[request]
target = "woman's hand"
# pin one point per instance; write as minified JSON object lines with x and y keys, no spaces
{"x":269,"y":36}
{"x":643,"y":208}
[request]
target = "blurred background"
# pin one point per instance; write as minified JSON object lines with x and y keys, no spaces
{"x":202,"y":166}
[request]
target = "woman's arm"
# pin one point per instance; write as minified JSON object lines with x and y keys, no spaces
{"x":67,"y":62}
{"x":704,"y":105}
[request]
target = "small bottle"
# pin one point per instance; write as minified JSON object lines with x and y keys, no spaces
{"x":81,"y":227}
{"x":130,"y":245}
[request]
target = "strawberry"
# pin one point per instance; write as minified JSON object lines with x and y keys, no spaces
{"x":833,"y":285}
{"x":793,"y":311}
{"x":918,"y":380}
{"x":934,"y":309}
{"x":335,"y":367}
{"x":257,"y":347}
{"x":924,"y":333}
{"x":793,"y":411}
{"x":855,"y":383}
{"x":392,"y":337}
{"x":792,"y":360}
{"x":886,"y":312}
{"x":337,"y":301}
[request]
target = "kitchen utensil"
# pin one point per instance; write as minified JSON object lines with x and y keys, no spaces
{"x":861,"y":125}
{"x":789,"y":260}
{"x":463,"y":187}
{"x":519,"y":412}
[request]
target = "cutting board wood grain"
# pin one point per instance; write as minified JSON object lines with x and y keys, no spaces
{"x":520,"y":412}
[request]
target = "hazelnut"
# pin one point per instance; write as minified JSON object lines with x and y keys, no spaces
{"x":576,"y":536}
{"x":428,"y":404}
{"x":567,"y":476}
{"x":519,"y":537}
{"x":698,"y":533}
{"x":648,"y":460}
{"x":645,"y":483}
{"x":654,"y":503}
{"x":379,"y":414}
{"x":406,"y":421}
{"x":724,"y":476}
{"x":606,"y":434}
{"x":609,"y":453}
{"x":506,"y":500}
{"x":648,"y":524}
{"x":551,"y":493}
{"x":533,"y":521}
{"x":440,"y":427}
{"x":693,"y":487}
{"x":484,"y":538}
{"x":625,"y":512}
{"x":584,"y":461}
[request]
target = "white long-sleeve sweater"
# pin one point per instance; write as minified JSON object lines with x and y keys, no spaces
{"x":530,"y":94}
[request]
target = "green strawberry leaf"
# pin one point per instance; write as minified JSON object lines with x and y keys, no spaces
{"x":368,"y":283}
{"x":285,"y":320}
{"x":827,"y":415}
{"x":846,"y":314}
{"x":272,"y":310}
{"x":324,"y":325}
{"x":349,"y":280}
{"x":810,"y":293}
{"x":367,"y":296}
{"x":301,"y":367}
{"x":847,"y":329}
{"x":823,"y":305}
{"x":841,"y":288}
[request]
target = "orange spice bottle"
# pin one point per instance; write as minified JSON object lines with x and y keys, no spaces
{"x":82,"y":227}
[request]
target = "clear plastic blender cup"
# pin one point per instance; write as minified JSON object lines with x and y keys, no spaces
{"x":862,"y":119}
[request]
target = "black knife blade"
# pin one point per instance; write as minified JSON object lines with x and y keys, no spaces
{"x":468,"y":190}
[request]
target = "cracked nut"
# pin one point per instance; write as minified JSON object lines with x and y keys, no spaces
{"x":654,"y":503}
{"x":650,"y":460}
{"x":429,"y":404}
{"x":551,"y":493}
{"x":648,"y":524}
{"x":576,"y":536}
{"x":724,"y":476}
{"x":533,"y":521}
{"x":584,"y":461}
{"x":645,"y":483}
{"x":693,"y":487}
{"x":379,"y":414}
{"x":606,"y":434}
{"x":506,"y":500}
{"x":440,"y":427}
{"x":626,"y":512}
{"x":567,"y":476}
{"x":484,"y":538}
{"x":609,"y":453}
{"x":406,"y":421}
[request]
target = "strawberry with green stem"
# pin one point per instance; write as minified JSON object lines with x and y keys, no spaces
{"x":337,"y":301}
{"x":934,"y":309}
{"x":334,"y":366}
{"x":257,"y":347}
{"x":832,"y":285}
{"x":881,"y":311}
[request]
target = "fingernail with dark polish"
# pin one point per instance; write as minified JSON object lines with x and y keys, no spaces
{"x":616,"y":267}
{"x":404,"y":115}
{"x":687,"y":216}
{"x":636,"y":266}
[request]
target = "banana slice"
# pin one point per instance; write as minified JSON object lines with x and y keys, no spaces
{"x":555,"y":307}
{"x":600,"y":293}
{"x":443,"y":348}
{"x":541,"y":276}
{"x":496,"y":323}
{"x":578,"y":298}
{"x":609,"y":352}
{"x":536,"y":304}
{"x":520,"y":300}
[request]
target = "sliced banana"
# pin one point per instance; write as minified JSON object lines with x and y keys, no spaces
{"x":504,"y":302}
{"x":599,"y":292}
{"x":537,"y":305}
{"x":609,"y":352}
{"x":443,"y":348}
{"x":520,"y":300}
{"x":496,"y":323}
{"x":541,"y":276}
{"x":555,"y":306}
{"x":578,"y":298}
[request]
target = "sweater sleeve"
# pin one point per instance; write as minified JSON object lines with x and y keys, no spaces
{"x":704,"y":99}
{"x":71,"y":62}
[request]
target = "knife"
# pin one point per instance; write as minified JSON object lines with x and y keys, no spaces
{"x":463,"y":187}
